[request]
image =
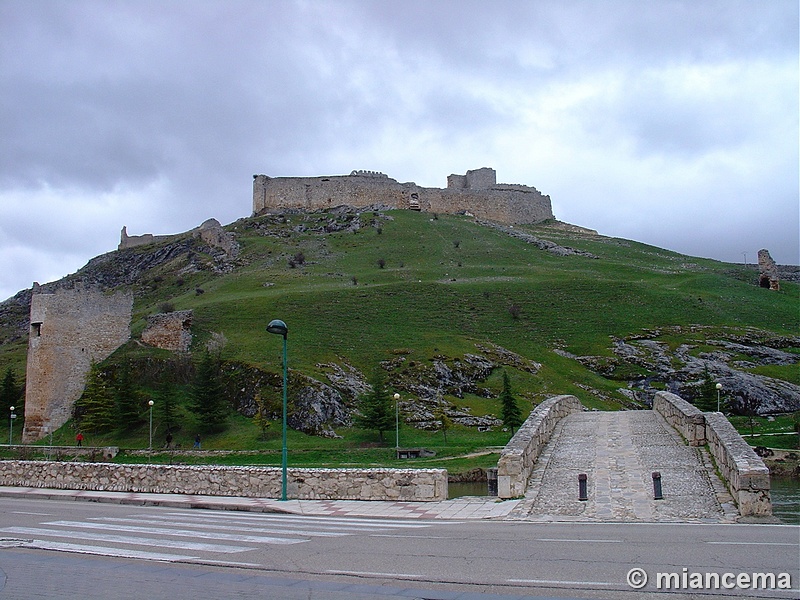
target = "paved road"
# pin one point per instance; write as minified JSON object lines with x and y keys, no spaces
{"x":107,"y":550}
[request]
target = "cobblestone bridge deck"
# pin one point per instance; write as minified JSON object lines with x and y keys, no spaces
{"x":619,"y":451}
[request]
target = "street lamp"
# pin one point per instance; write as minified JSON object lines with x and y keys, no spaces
{"x":279,"y":327}
{"x":11,"y":425}
{"x":150,"y":404}
{"x":396,"y":423}
{"x":719,"y":387}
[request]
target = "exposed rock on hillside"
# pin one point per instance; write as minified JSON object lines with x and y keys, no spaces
{"x":729,"y":357}
{"x":317,"y":408}
{"x":551,"y":247}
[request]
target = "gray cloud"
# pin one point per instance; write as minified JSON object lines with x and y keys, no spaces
{"x":660,"y":122}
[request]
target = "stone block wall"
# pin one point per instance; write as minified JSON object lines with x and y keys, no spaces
{"x":520,"y":454}
{"x":413,"y":485}
{"x":741,"y":468}
{"x":745,"y":473}
{"x":170,"y":331}
{"x":69,"y":330}
{"x":686,"y":418}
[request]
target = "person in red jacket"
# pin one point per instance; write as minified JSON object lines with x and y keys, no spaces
{"x":79,"y":439}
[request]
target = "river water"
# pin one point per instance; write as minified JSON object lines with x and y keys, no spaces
{"x":785,"y":495}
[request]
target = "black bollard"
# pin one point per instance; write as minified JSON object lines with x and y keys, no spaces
{"x":657,"y":495}
{"x":583,"y":492}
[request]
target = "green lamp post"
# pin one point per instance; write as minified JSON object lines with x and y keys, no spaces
{"x":279,"y":327}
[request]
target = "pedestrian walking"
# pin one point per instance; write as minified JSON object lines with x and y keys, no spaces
{"x":169,"y":440}
{"x":197,"y":442}
{"x":79,"y":439}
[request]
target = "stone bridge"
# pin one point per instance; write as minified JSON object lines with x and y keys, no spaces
{"x":707,"y":472}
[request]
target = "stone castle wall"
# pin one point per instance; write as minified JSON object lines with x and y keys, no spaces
{"x":476,"y":193}
{"x":69,"y":330}
{"x":170,"y":331}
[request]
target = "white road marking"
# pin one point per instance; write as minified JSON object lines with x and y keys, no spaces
{"x":755,"y":543}
{"x":200,"y":525}
{"x":579,"y":540}
{"x":107,"y":551}
{"x":124,"y":539}
{"x":560,"y":582}
{"x":258,"y":539}
{"x":374,"y":574}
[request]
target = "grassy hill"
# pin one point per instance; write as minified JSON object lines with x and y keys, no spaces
{"x":359,"y":289}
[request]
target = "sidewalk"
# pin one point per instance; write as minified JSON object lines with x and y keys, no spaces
{"x":468,"y":507}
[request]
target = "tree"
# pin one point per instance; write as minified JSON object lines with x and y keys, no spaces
{"x":128,"y":399}
{"x":265,"y":408}
{"x":10,"y":391}
{"x":376,"y":407}
{"x":510,"y":412}
{"x":747,"y":405}
{"x":166,"y":405}
{"x":445,"y":422}
{"x":208,"y":399}
{"x":94,"y":410}
{"x":706,"y":399}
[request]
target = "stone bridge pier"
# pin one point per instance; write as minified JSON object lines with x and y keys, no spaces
{"x":619,"y":452}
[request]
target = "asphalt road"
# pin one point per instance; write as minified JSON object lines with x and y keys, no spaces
{"x":62,"y":549}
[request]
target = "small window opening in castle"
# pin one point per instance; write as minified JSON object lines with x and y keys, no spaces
{"x":36,"y":329}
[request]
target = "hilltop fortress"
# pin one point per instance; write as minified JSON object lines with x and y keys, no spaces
{"x":476,"y":193}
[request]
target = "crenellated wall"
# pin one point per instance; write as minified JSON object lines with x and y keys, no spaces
{"x":476,"y":193}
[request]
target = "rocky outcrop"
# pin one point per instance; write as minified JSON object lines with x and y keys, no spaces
{"x":540,"y":243}
{"x":768,"y":276}
{"x":729,"y":358}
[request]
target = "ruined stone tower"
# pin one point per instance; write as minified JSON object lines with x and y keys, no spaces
{"x":69,"y":330}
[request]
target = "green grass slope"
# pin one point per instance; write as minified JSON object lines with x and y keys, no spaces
{"x":423,"y":285}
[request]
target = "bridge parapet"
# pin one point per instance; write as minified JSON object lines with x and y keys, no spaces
{"x":744,"y":471}
{"x":520,"y":454}
{"x":682,"y":416}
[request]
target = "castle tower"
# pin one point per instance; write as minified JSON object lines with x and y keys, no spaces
{"x":69,"y":330}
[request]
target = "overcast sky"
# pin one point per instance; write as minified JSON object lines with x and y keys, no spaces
{"x":672,"y":123}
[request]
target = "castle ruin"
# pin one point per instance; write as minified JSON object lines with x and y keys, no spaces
{"x":477,"y":193}
{"x":69,"y":330}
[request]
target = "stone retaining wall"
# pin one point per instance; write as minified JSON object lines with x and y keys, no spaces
{"x":744,"y":471}
{"x":682,"y":416}
{"x":520,"y":454}
{"x":417,"y":485}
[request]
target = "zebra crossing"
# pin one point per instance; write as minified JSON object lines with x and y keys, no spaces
{"x":193,"y":536}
